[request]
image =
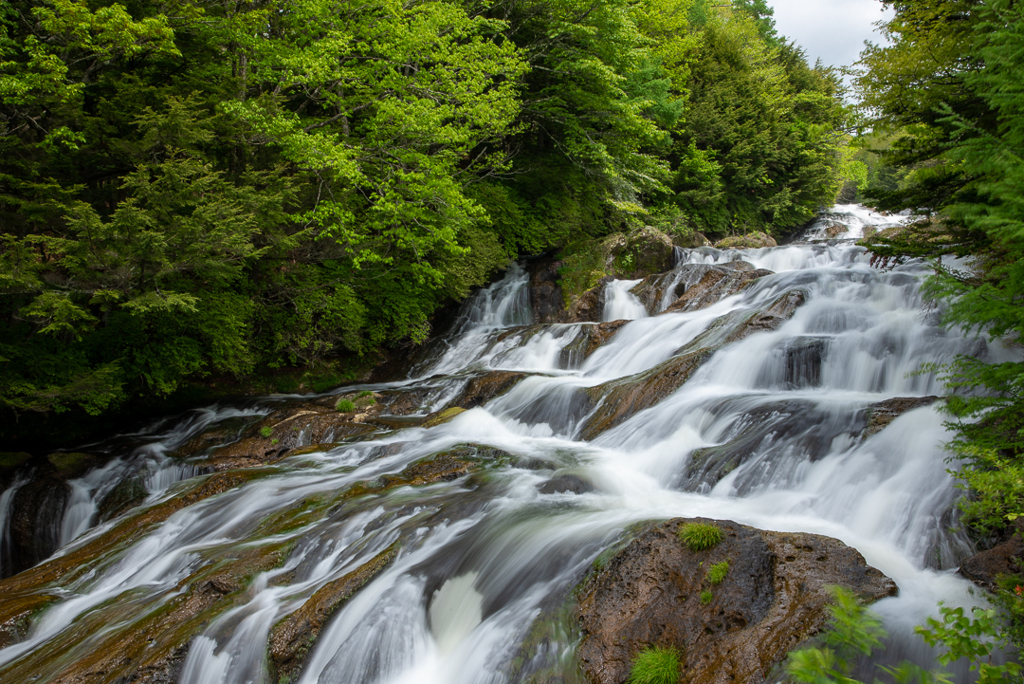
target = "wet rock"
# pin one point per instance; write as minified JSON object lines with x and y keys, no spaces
{"x":482,"y":389}
{"x":755,"y":240}
{"x":772,"y":318}
{"x":773,"y":598}
{"x":292,"y":638}
{"x":588,"y":307}
{"x":442,"y":417}
{"x":622,"y":398}
{"x":126,"y":494}
{"x":589,"y":340}
{"x":271,"y":438}
{"x":155,"y":645}
{"x":570,"y":483}
{"x":16,"y":615}
{"x":71,"y":465}
{"x":777,"y":433}
{"x":546,"y":297}
{"x":1003,"y":559}
{"x":215,"y":435}
{"x":132,"y":528}
{"x":716,"y":283}
{"x":36,"y":512}
{"x":884,"y":412}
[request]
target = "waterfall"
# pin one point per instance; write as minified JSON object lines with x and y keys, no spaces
{"x":768,"y":431}
{"x":620,"y":304}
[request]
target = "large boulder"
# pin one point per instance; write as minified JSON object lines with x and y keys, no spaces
{"x":656,"y":592}
{"x":755,"y":240}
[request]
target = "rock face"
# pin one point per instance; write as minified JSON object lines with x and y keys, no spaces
{"x":546,"y":298}
{"x":773,"y":597}
{"x":755,"y":240}
{"x":717,"y":283}
{"x":884,"y":412}
{"x":1005,"y":558}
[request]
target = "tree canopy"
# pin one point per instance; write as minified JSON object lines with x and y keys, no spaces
{"x":194,"y":189}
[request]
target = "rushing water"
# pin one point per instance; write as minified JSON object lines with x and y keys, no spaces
{"x":483,"y":555}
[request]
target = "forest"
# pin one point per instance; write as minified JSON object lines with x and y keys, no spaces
{"x":195,"y":194}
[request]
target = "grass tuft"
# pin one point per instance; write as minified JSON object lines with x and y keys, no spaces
{"x":706,"y":597}
{"x":700,"y":536}
{"x":655,"y":666}
{"x":345,"y":406}
{"x":266,"y":431}
{"x":717,"y":572}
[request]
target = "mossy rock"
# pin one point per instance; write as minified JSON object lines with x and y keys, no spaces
{"x":442,"y":417}
{"x":755,"y":240}
{"x":73,"y":464}
{"x":12,"y":460}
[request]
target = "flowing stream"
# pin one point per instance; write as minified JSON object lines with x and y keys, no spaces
{"x":482,"y":556}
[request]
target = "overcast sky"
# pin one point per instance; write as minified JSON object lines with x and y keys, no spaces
{"x":834,"y":30}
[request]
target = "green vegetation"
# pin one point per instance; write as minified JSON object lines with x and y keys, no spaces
{"x":266,"y":431}
{"x":700,"y":536}
{"x":950,"y":149}
{"x":655,"y":665}
{"x":854,"y":631}
{"x":717,"y":572}
{"x":345,"y":406}
{"x":196,"y":194}
{"x":706,"y":597}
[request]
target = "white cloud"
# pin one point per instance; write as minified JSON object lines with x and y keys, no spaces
{"x":833,"y":30}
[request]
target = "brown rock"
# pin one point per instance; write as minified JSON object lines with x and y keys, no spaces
{"x":774,"y":597}
{"x":622,"y":398}
{"x":647,"y":250}
{"x":291,"y":639}
{"x":884,"y":412}
{"x":1004,"y":559}
{"x":289,"y":428}
{"x":482,"y":389}
{"x":546,"y":298}
{"x":717,"y":284}
{"x":588,"y":307}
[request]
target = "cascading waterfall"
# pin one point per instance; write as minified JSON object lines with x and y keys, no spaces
{"x":764,"y":433}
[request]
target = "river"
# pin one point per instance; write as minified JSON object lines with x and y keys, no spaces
{"x":481,"y":556}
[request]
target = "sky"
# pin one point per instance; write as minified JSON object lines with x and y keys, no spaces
{"x":834,"y":30}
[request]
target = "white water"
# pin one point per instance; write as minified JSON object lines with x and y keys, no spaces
{"x":620,"y":304}
{"x":481,"y":556}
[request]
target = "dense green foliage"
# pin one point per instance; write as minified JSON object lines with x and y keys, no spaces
{"x":717,"y":572}
{"x":655,"y":666}
{"x":700,"y":536}
{"x":199,"y":190}
{"x":854,"y":632}
{"x":947,"y":94}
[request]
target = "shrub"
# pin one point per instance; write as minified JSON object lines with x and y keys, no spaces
{"x":266,"y":431}
{"x":717,"y":572}
{"x":345,"y":406}
{"x":706,"y":597}
{"x":364,"y":393}
{"x":700,"y":536}
{"x":655,"y":666}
